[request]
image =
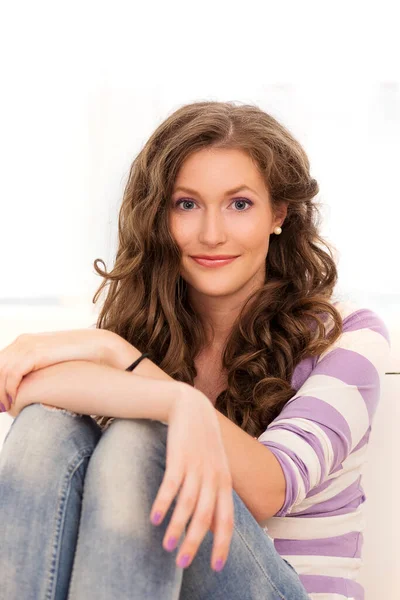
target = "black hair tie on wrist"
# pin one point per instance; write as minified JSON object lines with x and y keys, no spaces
{"x":137,"y":361}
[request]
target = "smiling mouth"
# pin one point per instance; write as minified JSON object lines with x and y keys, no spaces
{"x":207,"y":262}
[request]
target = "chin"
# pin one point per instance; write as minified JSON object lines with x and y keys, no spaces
{"x":213,"y":288}
{"x":216,"y":291}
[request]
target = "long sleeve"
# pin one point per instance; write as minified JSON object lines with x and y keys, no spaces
{"x":331,"y":414}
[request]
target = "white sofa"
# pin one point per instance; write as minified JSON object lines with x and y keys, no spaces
{"x":381,"y":552}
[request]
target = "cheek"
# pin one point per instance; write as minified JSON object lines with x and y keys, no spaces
{"x":254,"y":236}
{"x":253,"y":225}
{"x":178,"y":232}
{"x":185,"y":232}
{"x":183,"y":238}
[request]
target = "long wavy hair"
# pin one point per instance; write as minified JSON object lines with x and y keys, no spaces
{"x":281,"y":323}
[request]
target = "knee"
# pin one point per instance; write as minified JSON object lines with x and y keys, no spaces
{"x":125,"y":472}
{"x":41,"y":437}
{"x":129,"y":444}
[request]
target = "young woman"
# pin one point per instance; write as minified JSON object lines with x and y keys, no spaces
{"x":242,"y":432}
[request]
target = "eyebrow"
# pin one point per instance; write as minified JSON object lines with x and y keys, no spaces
{"x":235,"y":190}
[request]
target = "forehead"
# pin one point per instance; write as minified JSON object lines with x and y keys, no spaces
{"x":224,"y":170}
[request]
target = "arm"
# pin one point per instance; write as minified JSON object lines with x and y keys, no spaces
{"x":88,"y":388}
{"x":331,"y":414}
{"x":256,"y":473}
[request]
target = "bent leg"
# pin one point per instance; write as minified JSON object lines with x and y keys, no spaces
{"x":42,"y":469}
{"x":119,"y":552}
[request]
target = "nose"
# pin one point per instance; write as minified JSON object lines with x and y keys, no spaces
{"x":212,"y":227}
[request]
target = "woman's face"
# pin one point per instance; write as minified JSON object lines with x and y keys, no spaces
{"x":208,"y":219}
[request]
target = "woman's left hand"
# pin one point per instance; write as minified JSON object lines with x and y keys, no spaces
{"x":33,"y":351}
{"x":198,"y":473}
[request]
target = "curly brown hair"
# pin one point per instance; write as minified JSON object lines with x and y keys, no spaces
{"x":282,"y":322}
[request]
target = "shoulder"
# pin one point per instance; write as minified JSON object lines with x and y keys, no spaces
{"x":363,"y":346}
{"x":364,"y":337}
{"x":364,"y":332}
{"x":356,"y":317}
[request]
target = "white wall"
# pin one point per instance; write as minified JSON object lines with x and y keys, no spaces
{"x":381,"y":553}
{"x":68,"y":198}
{"x":86,"y":83}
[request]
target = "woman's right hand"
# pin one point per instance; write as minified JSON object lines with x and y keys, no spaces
{"x":34,"y":351}
{"x":197,"y":461}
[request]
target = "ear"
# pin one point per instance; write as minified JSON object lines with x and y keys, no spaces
{"x":280,"y":212}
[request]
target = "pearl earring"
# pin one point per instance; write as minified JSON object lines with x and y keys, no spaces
{"x":277,"y":230}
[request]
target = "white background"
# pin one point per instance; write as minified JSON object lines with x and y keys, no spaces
{"x":84,"y":84}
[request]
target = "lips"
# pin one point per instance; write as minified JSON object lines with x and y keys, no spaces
{"x":214,"y":262}
{"x":214,"y":257}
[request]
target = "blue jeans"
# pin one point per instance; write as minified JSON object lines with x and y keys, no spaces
{"x":74,"y":519}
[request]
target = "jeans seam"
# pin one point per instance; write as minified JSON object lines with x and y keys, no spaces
{"x":60,"y":518}
{"x":259,"y":564}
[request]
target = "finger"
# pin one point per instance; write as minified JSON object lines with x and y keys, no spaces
{"x":199,"y":524}
{"x":185,"y":506}
{"x":166,"y":493}
{"x":213,"y":523}
{"x":11,"y":387}
{"x":14,"y":376}
{"x":7,"y":393}
{"x":223,"y":530}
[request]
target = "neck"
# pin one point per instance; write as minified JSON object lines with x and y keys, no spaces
{"x":218,"y":315}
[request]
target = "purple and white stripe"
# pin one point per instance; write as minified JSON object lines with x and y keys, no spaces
{"x":320,"y":439}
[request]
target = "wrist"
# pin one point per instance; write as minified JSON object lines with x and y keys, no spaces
{"x":188,"y":393}
{"x":117,"y":352}
{"x":24,"y":395}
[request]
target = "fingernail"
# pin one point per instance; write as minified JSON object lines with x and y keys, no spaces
{"x":184,"y":561}
{"x":9,"y":399}
{"x":156,"y":518}
{"x":171,"y":543}
{"x":218,"y":566}
{"x":2,"y":407}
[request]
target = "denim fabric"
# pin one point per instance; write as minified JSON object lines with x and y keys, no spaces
{"x":74,"y":519}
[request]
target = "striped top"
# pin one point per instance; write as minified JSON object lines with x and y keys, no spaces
{"x":320,"y":439}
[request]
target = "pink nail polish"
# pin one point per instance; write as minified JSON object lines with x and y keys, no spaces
{"x":171,"y":543}
{"x":156,"y":518}
{"x":184,"y":561}
{"x":218,"y":566}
